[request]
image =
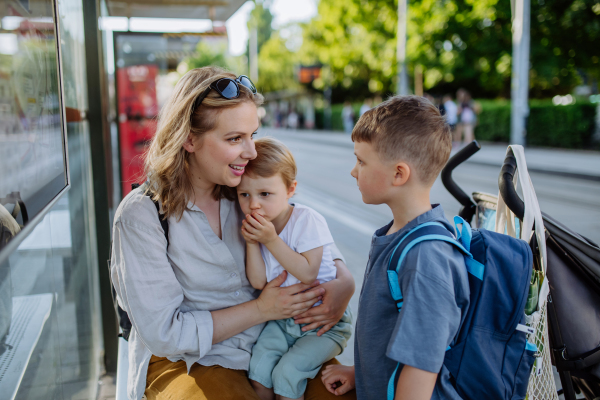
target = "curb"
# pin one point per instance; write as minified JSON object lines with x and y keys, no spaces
{"x":566,"y":174}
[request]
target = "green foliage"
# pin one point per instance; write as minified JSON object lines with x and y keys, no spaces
{"x":459,"y":43}
{"x":564,"y":44}
{"x":493,"y":123}
{"x":568,"y":127}
{"x":276,"y":66}
{"x":208,"y":55}
{"x":357,"y":41}
{"x":336,"y":116}
{"x":548,"y":125}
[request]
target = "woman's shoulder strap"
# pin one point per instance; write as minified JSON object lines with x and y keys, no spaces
{"x":162,"y":218}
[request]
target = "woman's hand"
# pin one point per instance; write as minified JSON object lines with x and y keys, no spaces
{"x":338,"y":373}
{"x":338,"y":293}
{"x":280,"y":303}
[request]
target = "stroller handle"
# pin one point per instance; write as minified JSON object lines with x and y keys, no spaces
{"x":469,"y":207}
{"x":507,"y":187}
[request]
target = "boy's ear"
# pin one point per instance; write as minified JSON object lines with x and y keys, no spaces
{"x":401,"y":174}
{"x":292,"y":189}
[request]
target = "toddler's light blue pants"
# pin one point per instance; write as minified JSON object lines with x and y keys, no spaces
{"x":284,"y":357}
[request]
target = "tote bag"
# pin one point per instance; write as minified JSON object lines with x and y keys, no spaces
{"x":541,"y":384}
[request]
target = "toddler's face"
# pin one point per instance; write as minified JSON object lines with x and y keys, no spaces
{"x":267,"y":196}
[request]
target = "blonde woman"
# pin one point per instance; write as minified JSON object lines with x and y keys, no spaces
{"x":195,"y":315}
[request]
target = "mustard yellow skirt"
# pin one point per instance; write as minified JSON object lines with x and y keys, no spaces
{"x":168,"y":380}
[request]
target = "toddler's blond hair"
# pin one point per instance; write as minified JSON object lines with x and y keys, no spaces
{"x":273,"y":158}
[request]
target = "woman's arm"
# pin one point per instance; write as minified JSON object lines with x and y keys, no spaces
{"x":338,"y":293}
{"x":255,"y":266}
{"x":274,"y":303}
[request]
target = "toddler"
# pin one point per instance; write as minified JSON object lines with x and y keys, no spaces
{"x":282,"y":236}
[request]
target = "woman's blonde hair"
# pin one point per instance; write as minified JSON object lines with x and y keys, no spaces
{"x":166,"y":163}
{"x":273,"y":157}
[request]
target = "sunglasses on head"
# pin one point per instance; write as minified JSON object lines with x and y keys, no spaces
{"x":226,"y":87}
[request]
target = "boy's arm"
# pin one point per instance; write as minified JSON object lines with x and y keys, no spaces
{"x":255,"y":266}
{"x":415,"y":384}
{"x":304,"y":266}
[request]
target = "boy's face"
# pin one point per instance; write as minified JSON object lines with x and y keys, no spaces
{"x":373,"y":177}
{"x":266,"y":196}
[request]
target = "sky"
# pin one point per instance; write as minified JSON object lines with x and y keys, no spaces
{"x":284,"y":11}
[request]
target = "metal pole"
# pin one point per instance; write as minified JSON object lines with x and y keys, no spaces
{"x":95,"y":89}
{"x":402,"y":81}
{"x":327,"y":95}
{"x":254,"y":54}
{"x":521,"y":18}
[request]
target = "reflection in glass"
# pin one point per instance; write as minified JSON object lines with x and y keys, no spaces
{"x":49,"y":321}
{"x":32,"y":162}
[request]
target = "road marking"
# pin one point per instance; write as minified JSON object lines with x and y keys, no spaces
{"x":332,"y":208}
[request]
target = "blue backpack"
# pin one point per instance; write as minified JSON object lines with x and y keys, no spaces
{"x":490,"y":357}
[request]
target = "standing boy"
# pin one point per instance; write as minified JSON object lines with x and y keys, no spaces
{"x":401,"y":146}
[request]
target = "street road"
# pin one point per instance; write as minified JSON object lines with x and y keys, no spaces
{"x":325,"y":184}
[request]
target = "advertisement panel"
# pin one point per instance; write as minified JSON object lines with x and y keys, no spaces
{"x":136,"y":91}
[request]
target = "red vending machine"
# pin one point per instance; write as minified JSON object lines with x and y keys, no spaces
{"x":136,"y":91}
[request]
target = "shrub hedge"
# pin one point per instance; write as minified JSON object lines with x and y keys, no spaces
{"x":568,"y":127}
{"x":548,"y":125}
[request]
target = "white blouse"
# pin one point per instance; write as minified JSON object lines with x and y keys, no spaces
{"x":169,"y":293}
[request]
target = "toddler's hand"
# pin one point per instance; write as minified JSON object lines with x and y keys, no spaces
{"x":248,"y":237}
{"x":338,"y":379}
{"x":257,"y":228}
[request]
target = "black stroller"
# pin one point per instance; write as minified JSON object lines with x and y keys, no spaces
{"x":573,"y":268}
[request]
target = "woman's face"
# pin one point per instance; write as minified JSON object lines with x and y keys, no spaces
{"x":219,"y":156}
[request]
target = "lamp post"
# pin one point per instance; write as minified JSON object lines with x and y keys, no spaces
{"x":521,"y":20}
{"x":253,"y":50}
{"x":402,"y":81}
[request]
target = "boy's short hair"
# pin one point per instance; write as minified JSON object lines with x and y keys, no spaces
{"x":273,"y":158}
{"x":407,"y":128}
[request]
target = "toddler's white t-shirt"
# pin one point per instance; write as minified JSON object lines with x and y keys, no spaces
{"x":305,"y":230}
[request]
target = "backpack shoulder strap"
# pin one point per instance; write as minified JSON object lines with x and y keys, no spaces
{"x":424,"y":232}
{"x":164,"y":222}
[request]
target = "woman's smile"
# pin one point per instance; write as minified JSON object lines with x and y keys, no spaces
{"x":238,"y":170}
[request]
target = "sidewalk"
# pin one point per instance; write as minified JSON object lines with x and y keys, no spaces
{"x":580,"y":164}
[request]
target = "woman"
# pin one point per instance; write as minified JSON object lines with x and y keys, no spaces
{"x":195,"y":316}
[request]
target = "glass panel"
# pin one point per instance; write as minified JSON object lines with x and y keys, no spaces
{"x":49,"y":318}
{"x":32,"y":162}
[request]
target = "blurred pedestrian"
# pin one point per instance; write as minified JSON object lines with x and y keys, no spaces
{"x":468,"y":118}
{"x":348,"y":117}
{"x":366,"y":106}
{"x":292,"y":120}
{"x":451,"y":113}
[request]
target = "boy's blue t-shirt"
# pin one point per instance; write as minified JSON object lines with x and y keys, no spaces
{"x":435,"y":287}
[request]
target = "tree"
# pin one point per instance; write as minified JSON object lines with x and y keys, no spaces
{"x":459,"y":43}
{"x":277,"y":65}
{"x":357,"y":41}
{"x":208,"y":55}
